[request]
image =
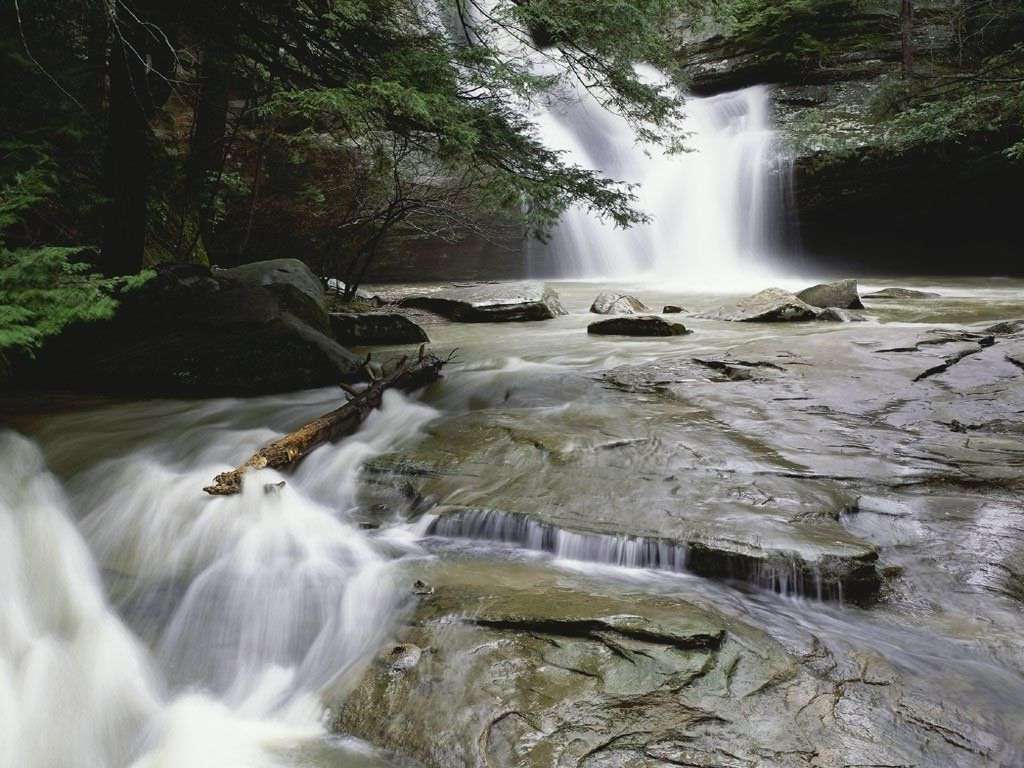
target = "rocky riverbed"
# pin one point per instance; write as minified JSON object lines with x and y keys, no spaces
{"x":794,"y":543}
{"x":766,"y":479}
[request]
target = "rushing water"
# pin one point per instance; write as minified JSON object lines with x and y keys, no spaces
{"x":232,"y":618}
{"x":718,"y":210}
{"x":146,"y":624}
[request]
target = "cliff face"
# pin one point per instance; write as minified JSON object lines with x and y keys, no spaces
{"x":891,"y":173}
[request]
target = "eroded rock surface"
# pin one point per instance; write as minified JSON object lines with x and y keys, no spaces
{"x":367,"y":329}
{"x":618,"y":304}
{"x":537,"y":670}
{"x":769,"y":306}
{"x":639,"y":325}
{"x":902,"y":293}
{"x":489,"y":302}
{"x":842,"y":294}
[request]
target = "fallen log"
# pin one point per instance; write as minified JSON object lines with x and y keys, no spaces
{"x":293,"y":447}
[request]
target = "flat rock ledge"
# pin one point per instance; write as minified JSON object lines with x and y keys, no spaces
{"x":490,"y":302}
{"x":769,"y":306}
{"x":608,"y":303}
{"x":525,"y":668}
{"x":842,"y":294}
{"x":637,"y":325}
{"x":825,"y":570}
{"x":902,"y":293}
{"x":373,"y":329}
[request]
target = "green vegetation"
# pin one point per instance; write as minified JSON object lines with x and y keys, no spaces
{"x":793,"y":32}
{"x":197,"y":131}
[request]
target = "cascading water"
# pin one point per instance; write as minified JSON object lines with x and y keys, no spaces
{"x":254,"y":608}
{"x":718,"y":211}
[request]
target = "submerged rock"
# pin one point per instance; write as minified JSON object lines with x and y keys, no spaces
{"x":1006,"y":328}
{"x":371,"y":328}
{"x":490,"y":302}
{"x":640,"y":325}
{"x":190,"y":332}
{"x":842,"y":294}
{"x":770,"y":305}
{"x":902,"y":293}
{"x":837,"y":315}
{"x":617,"y":304}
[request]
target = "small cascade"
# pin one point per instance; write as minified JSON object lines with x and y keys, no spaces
{"x":785,"y":576}
{"x":718,"y":211}
{"x":257,"y":609}
{"x":624,"y":551}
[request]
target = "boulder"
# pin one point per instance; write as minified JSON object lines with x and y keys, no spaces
{"x":842,"y":294}
{"x":770,"y":305}
{"x":672,"y":309}
{"x":639,"y":325}
{"x":837,"y":315}
{"x":901,"y":293}
{"x":617,"y":304}
{"x":188,"y":331}
{"x":275,"y":272}
{"x":490,"y":302}
{"x":371,"y":329}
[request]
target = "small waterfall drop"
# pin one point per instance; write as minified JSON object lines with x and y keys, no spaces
{"x":718,"y":210}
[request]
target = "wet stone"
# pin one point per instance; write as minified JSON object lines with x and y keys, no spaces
{"x":841,"y":294}
{"x":618,"y":304}
{"x":489,"y":302}
{"x":640,"y":325}
{"x":769,"y":306}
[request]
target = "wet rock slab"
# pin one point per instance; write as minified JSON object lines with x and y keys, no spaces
{"x":618,"y":304}
{"x":841,"y":294}
{"x":769,"y":306}
{"x":513,"y":665}
{"x":586,"y":489}
{"x":638,"y":325}
{"x":489,"y":302}
{"x":367,"y":329}
{"x":902,"y":293}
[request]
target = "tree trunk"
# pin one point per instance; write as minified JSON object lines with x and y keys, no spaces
{"x":907,"y":36}
{"x":128,"y":164}
{"x":293,"y":447}
{"x":96,"y":23}
{"x":206,"y":153}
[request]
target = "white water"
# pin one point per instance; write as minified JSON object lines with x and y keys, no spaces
{"x":718,"y":211}
{"x":255,"y":609}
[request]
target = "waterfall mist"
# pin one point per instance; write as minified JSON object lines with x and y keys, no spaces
{"x":718,"y":210}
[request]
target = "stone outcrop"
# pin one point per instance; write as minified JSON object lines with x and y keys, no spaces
{"x":638,"y":325}
{"x":189,"y":332}
{"x":841,"y":294}
{"x":769,"y":306}
{"x":902,"y":293}
{"x":489,"y":302}
{"x":618,"y":304}
{"x":518,"y":666}
{"x":368,"y":329}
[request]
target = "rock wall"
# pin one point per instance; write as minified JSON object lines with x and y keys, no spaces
{"x":868,"y":197}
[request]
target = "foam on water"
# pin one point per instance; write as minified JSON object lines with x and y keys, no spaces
{"x":718,"y":211}
{"x":256,"y":606}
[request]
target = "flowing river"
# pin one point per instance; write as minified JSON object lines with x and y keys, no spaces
{"x":146,"y":624}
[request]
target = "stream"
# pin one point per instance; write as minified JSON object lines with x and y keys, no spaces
{"x":147,"y":624}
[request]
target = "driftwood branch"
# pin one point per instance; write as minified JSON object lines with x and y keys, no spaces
{"x":293,"y":447}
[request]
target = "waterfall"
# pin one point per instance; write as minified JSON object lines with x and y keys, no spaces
{"x":718,"y":210}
